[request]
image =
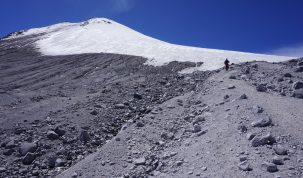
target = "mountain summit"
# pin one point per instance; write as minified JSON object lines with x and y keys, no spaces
{"x":101,"y":35}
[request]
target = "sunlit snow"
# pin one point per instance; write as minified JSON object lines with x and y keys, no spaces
{"x":106,"y":36}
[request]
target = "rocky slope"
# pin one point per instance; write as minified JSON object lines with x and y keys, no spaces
{"x":55,"y":110}
{"x":227,"y":128}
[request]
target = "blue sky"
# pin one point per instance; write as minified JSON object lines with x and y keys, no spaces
{"x":261,"y":26}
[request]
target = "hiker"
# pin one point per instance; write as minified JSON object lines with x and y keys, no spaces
{"x":226,"y":62}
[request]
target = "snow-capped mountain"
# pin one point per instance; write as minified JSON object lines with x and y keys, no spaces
{"x":103,"y":35}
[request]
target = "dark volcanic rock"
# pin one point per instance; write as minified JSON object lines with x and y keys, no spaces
{"x":94,"y":113}
{"x":261,"y":88}
{"x":287,"y":75}
{"x":84,"y":136}
{"x":52,"y":135}
{"x":138,"y":96}
{"x":59,"y":131}
{"x":270,"y":167}
{"x":299,"y":69}
{"x":8,"y":152}
{"x":27,"y":147}
{"x":297,"y":85}
{"x":29,"y":158}
{"x":298,"y":93}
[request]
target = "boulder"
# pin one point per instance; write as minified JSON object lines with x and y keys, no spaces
{"x":52,"y":135}
{"x":298,"y":93}
{"x":297,"y":85}
{"x":264,"y":121}
{"x":270,"y":167}
{"x":261,"y":88}
{"x":29,"y":158}
{"x":27,"y":147}
{"x":59,"y":131}
{"x":299,"y":69}
{"x":84,"y":136}
{"x":244,"y":166}
{"x":280,"y":150}
{"x":267,"y":139}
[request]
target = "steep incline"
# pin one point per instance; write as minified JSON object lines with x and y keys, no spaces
{"x":212,"y":133}
{"x":103,"y":35}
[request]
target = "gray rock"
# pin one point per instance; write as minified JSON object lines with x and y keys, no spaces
{"x":26,"y":147}
{"x":2,"y":169}
{"x":242,"y":128}
{"x":84,"y":136}
{"x":140,"y":161}
{"x":250,"y":136}
{"x":299,"y":69}
{"x":198,"y":119}
{"x":264,"y":121}
{"x":277,"y":160}
{"x":231,"y":87}
{"x":120,"y":106}
{"x":300,"y":63}
{"x":51,"y":160}
{"x":226,"y":97}
{"x":298,"y":93}
{"x":138,"y":96}
{"x":11,"y":144}
{"x":29,"y":158}
{"x":267,"y":139}
{"x":261,"y":88}
{"x":287,"y":75}
{"x":140,"y":124}
{"x":52,"y":135}
{"x":258,"y":109}
{"x":60,"y":162}
{"x":280,"y":150}
{"x":94,"y":113}
{"x":8,"y":152}
{"x":179,"y":163}
{"x":270,"y":167}
{"x":232,"y":77}
{"x":243,"y":96}
{"x":245,"y":166}
{"x":197,"y":128}
{"x":59,"y":131}
{"x":243,"y":158}
{"x":297,"y":85}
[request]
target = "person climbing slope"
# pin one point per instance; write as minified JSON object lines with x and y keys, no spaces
{"x":226,"y":62}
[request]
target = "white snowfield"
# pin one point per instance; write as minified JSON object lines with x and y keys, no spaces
{"x":106,"y":36}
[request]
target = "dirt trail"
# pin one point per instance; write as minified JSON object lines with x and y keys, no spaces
{"x":204,"y":134}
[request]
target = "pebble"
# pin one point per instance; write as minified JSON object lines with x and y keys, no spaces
{"x":84,"y":136}
{"x":258,"y":109}
{"x":261,"y":88}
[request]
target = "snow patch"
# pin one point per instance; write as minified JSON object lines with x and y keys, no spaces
{"x":106,"y":36}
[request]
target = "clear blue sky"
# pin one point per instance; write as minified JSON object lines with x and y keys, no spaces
{"x":262,"y":26}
